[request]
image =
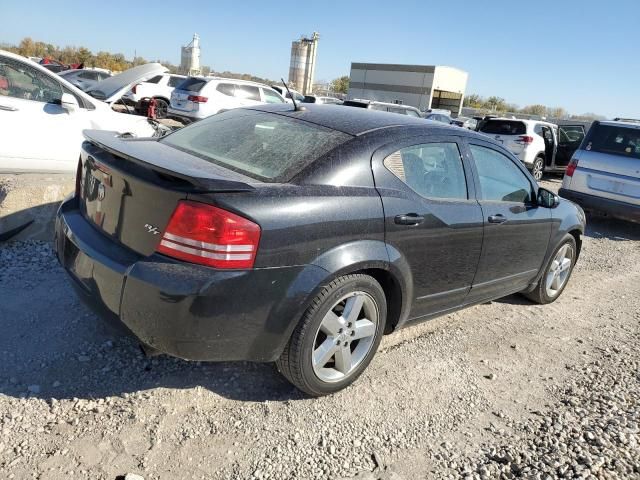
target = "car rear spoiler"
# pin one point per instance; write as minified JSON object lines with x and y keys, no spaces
{"x":196,"y":174}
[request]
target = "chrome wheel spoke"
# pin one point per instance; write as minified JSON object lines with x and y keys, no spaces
{"x":564,"y":266}
{"x":364,"y":328}
{"x":343,"y":359}
{"x":352,"y":308}
{"x":331,"y":323}
{"x":324,"y":352}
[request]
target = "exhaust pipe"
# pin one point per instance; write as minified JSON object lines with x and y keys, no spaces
{"x":149,"y":351}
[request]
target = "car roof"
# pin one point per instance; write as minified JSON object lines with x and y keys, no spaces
{"x":524,"y":120}
{"x":620,"y":123}
{"x":353,"y":121}
{"x":230,"y":80}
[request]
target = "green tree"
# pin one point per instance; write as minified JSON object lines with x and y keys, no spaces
{"x":496,"y":104}
{"x":340,"y":84}
{"x":473,"y":100}
{"x":537,"y":109}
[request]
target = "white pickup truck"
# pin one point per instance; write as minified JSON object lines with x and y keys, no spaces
{"x":159,"y":87}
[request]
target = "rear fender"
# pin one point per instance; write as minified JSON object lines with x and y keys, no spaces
{"x":341,"y":260}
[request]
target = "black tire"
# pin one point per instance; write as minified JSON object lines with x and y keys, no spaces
{"x":539,"y":293}
{"x":295,"y":363}
{"x":537,"y":170}
{"x":161,"y":108}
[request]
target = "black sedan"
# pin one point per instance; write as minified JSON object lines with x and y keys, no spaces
{"x":302,"y":236}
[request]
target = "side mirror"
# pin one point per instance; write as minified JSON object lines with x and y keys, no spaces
{"x":547,"y":198}
{"x":69,"y":102}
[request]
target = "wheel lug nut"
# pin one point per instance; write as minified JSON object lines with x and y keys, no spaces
{"x":339,"y":330}
{"x":349,"y":324}
{"x":353,"y":333}
{"x":346,"y":343}
{"x":337,"y":342}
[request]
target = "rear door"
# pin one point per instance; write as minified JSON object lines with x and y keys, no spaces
{"x":569,"y":139}
{"x":431,"y":218}
{"x":516,"y":230}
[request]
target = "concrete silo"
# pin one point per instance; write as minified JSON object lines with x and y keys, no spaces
{"x":303,"y":63}
{"x":190,"y":57}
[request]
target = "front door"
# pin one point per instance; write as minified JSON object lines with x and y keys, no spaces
{"x":516,"y":230}
{"x":432,"y":219}
{"x":37,"y":133}
{"x":569,"y":139}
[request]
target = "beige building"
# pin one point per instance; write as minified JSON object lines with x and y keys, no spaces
{"x":422,"y":86}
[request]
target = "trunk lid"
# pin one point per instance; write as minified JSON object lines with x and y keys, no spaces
{"x":131,"y":187}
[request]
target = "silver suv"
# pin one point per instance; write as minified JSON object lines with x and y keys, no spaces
{"x":604,"y":173}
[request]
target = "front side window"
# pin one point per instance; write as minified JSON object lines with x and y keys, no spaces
{"x":271,"y":97}
{"x":500,"y":179}
{"x":433,"y":170}
{"x":262,"y":145}
{"x":570,"y":133}
{"x":22,"y":81}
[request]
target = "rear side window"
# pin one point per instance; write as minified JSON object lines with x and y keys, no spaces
{"x":433,"y":170}
{"x":504,"y":127}
{"x":248,"y":92}
{"x":155,"y":79}
{"x":192,"y":84}
{"x":614,"y":140}
{"x":226,"y":89}
{"x":261,"y":145}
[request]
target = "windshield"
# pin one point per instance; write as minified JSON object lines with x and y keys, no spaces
{"x":504,"y":127}
{"x":265,"y":146}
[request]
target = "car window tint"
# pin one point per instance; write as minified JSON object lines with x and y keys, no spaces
{"x":22,"y":81}
{"x":570,"y":134}
{"x":248,"y":92}
{"x":271,"y":97}
{"x":192,"y":84}
{"x":504,"y":127}
{"x":500,"y":178}
{"x":261,"y":145}
{"x":434,"y":170}
{"x":155,"y":79}
{"x":175,"y":81}
{"x":613,"y":139}
{"x":226,"y":89}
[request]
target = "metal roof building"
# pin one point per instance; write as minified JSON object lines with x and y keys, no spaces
{"x":422,"y":86}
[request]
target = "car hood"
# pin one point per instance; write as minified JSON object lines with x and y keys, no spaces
{"x":111,"y":89}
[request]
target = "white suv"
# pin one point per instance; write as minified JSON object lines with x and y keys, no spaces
{"x":200,"y":97}
{"x":541,"y":146}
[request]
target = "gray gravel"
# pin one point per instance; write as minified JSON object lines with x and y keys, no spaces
{"x":507,"y":389}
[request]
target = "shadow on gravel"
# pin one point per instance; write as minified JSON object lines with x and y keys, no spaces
{"x":53,"y":347}
{"x":611,"y":228}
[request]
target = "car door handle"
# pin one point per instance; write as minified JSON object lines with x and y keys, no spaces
{"x":409,"y":219}
{"x":497,"y":218}
{"x":8,"y":109}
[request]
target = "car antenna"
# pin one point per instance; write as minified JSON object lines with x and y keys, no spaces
{"x":295,"y":105}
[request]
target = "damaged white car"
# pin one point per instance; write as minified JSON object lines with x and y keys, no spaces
{"x":42,"y":116}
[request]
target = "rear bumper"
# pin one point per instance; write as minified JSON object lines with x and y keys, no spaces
{"x":622,"y":210}
{"x":184,"y":310}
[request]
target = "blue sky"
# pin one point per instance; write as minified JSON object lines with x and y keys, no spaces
{"x":580,"y":55}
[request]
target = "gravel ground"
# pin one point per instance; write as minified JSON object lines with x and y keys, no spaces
{"x":503,"y":390}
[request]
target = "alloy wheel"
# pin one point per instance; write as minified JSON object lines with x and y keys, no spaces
{"x":345,"y":336}
{"x":537,"y":169}
{"x":559,"y":270}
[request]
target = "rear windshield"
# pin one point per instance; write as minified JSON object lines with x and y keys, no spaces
{"x":261,"y":145}
{"x":351,"y":103}
{"x":614,"y":140}
{"x":504,"y":127}
{"x":192,"y":84}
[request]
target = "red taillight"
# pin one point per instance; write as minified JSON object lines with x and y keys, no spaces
{"x":208,"y":235}
{"x":525,"y":139}
{"x":79,"y":179}
{"x":573,"y":164}
{"x":197,"y":99}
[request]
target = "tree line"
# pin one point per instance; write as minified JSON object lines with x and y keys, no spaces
{"x":498,"y":104}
